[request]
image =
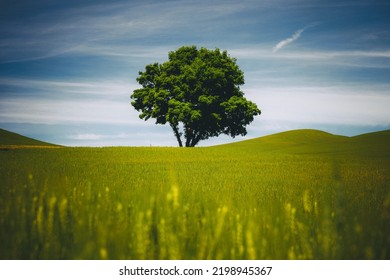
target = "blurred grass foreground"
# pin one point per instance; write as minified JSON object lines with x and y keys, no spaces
{"x":296,"y":195}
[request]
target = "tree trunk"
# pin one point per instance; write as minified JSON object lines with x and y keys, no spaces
{"x":177,"y":134}
{"x":195,"y":139}
{"x":188,"y":135}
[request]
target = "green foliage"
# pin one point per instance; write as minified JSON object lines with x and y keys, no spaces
{"x":295,"y":195}
{"x":198,"y":90}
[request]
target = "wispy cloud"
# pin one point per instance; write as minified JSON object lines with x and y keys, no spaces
{"x":57,"y":32}
{"x":155,"y":136}
{"x":51,"y":111}
{"x":86,"y":136}
{"x":290,"y":39}
{"x":321,"y":57}
{"x":63,"y":89}
{"x":56,"y":102}
{"x":98,"y":136}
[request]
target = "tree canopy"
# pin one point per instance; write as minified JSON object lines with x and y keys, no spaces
{"x":197,"y":92}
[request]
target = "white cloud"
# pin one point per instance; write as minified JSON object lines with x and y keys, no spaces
{"x":252,"y":55}
{"x":156,"y":136}
{"x":58,"y":102}
{"x":323,"y":105}
{"x":289,"y":40}
{"x":107,"y":89}
{"x":86,"y":136}
{"x":95,"y":136}
{"x":52,"y":111}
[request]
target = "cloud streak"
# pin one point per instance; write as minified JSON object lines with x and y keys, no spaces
{"x":290,"y":39}
{"x":53,"y":33}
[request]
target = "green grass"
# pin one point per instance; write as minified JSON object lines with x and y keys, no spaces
{"x":10,"y":140}
{"x":296,"y":195}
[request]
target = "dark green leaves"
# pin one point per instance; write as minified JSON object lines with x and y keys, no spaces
{"x":198,"y":90}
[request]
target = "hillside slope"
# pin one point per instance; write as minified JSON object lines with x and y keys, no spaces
{"x":306,"y":141}
{"x":8,"y":138}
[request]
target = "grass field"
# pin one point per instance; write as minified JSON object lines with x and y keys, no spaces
{"x":301,"y":194}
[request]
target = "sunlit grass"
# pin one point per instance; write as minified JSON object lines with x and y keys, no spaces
{"x":243,"y":201}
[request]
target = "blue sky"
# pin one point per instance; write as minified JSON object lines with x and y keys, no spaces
{"x":68,"y":68}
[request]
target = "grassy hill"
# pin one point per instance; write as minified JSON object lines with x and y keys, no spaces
{"x":379,"y":138}
{"x":293,"y":141}
{"x":289,"y":140}
{"x":12,"y":139}
{"x":306,"y":141}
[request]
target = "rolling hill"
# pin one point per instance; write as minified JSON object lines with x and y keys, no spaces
{"x":301,"y":141}
{"x":11,"y":139}
{"x":304,"y":141}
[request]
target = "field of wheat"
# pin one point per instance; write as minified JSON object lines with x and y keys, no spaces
{"x":277,"y":198}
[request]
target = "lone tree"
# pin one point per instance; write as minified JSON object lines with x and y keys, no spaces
{"x":197,"y":91}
